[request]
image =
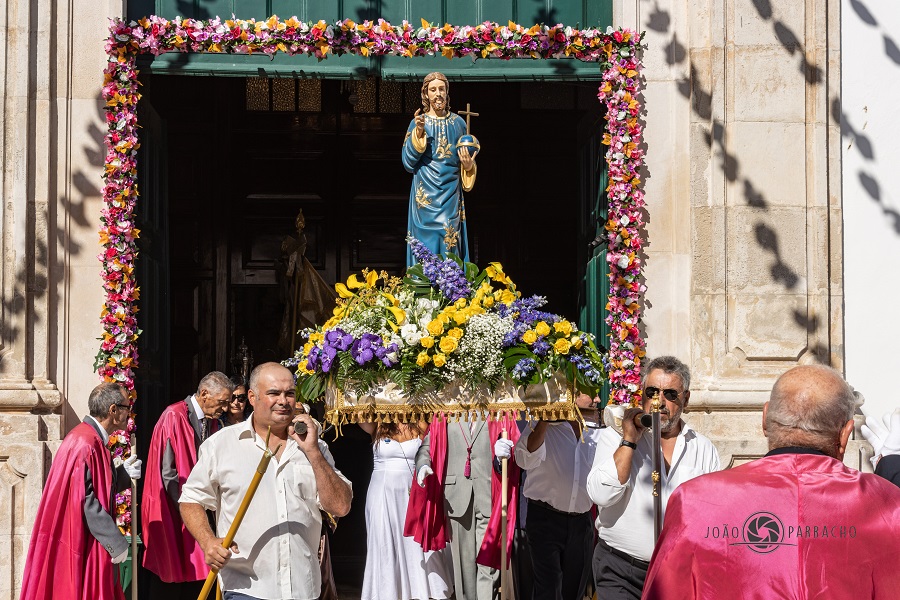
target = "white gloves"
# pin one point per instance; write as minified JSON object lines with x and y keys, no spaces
{"x":424,"y":472}
{"x":884,"y":437}
{"x":133,"y":466}
{"x":503,"y":448}
{"x":120,"y":558}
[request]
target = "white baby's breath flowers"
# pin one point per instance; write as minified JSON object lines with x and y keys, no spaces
{"x":480,"y":352}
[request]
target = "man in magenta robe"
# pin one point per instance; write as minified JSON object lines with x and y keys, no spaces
{"x":171,"y":553}
{"x":76,"y":544}
{"x":796,"y":523}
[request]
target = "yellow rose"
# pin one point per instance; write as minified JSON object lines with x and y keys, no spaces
{"x":563,"y":327}
{"x":427,"y":341}
{"x":542,"y":328}
{"x":435,"y":327}
{"x":456,"y":332}
{"x":562,"y":346}
{"x":529,"y":337}
{"x":448,"y":344}
{"x":444,"y":317}
{"x":488,"y":301}
{"x":461,"y":317}
{"x":576,"y":341}
{"x":461,"y":303}
{"x":440,"y":359}
{"x":507,"y":297}
{"x":423,"y":358}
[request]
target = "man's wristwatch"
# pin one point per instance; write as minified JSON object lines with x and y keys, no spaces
{"x":628,"y":444}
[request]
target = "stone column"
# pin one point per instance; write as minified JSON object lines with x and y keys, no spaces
{"x":744,"y":260}
{"x":52,"y":160}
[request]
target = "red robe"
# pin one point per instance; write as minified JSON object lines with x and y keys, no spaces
{"x":791,"y":526}
{"x":426,"y":521}
{"x":64,"y":560}
{"x":170,"y":550}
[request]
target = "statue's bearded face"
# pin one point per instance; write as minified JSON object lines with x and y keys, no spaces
{"x":437,"y":95}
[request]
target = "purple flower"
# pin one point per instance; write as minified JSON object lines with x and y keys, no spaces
{"x":327,"y":358}
{"x":541,"y":347}
{"x":447,"y":276}
{"x":523,"y":369}
{"x":338,"y":338}
{"x":314,"y":359}
{"x":387,"y":355}
{"x":363,"y":349}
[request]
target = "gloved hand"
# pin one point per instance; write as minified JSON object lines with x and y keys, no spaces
{"x":503,"y":448}
{"x":120,"y":558}
{"x":884,"y":437}
{"x":133,"y":466}
{"x":424,"y":472}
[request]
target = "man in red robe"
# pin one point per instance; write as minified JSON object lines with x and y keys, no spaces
{"x":170,"y":551}
{"x":796,"y":523}
{"x":461,"y":502}
{"x":76,"y":543}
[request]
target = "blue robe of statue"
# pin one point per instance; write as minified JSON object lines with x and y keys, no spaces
{"x":437,"y":215}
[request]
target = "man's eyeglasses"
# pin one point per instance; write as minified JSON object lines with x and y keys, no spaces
{"x":125,"y":406}
{"x":670,"y":394}
{"x":239,"y":397}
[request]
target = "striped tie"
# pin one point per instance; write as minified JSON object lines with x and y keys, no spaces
{"x":204,"y":428}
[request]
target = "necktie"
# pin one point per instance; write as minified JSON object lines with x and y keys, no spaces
{"x":203,"y":429}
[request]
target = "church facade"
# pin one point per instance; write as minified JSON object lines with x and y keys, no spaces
{"x":747,"y":183}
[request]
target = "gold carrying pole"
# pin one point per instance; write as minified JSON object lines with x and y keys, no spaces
{"x":239,"y":517}
{"x":657,"y":467}
{"x":134,"y":528}
{"x":504,"y":524}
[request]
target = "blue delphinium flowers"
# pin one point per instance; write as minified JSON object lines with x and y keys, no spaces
{"x":446,"y":275}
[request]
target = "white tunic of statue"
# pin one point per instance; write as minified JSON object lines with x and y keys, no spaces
{"x":396,"y":566}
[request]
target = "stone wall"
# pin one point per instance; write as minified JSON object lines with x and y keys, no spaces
{"x":744,"y":261}
{"x":50,"y":291}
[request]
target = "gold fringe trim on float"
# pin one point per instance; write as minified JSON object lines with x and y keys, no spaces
{"x":394,"y":407}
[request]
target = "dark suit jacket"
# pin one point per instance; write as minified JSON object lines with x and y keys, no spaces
{"x":889,"y":468}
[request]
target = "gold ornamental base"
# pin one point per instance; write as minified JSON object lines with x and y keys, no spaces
{"x":386,"y":403}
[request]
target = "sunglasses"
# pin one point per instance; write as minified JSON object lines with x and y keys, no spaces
{"x":669,"y":394}
{"x":239,"y":397}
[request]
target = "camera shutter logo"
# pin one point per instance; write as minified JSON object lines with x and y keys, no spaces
{"x":763,"y":532}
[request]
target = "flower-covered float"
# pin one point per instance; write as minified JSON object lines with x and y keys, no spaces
{"x":447,"y":338}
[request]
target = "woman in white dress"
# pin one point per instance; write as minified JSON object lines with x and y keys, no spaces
{"x":396,"y":567}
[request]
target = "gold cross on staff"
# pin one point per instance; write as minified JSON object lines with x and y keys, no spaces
{"x":468,"y":114}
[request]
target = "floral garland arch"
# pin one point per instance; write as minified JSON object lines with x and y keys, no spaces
{"x":617,"y":52}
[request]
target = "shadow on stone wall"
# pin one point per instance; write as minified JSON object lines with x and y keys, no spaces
{"x":659,"y":20}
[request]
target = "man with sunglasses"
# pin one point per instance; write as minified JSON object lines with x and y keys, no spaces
{"x":171,"y":554}
{"x":76,"y":543}
{"x":620,"y":482}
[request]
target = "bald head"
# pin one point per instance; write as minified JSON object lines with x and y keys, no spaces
{"x":269,"y":367}
{"x":810,"y":406}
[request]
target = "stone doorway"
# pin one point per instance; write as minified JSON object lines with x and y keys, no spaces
{"x":228,"y":162}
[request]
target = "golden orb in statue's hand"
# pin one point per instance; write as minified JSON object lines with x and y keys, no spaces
{"x":469,"y":141}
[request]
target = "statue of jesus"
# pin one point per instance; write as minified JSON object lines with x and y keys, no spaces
{"x":441,"y":172}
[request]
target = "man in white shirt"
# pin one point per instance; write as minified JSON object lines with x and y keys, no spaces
{"x":620,"y":482}
{"x":558,"y":525}
{"x":274,"y":554}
